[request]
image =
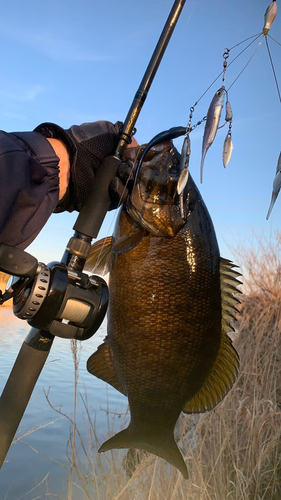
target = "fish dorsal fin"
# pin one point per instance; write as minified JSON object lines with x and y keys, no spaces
{"x":225,"y":369}
{"x":229,"y":284}
{"x":99,"y":256}
{"x":100,"y":365}
{"x":230,"y":299}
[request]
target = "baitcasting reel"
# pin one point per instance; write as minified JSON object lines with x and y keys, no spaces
{"x":67,"y":303}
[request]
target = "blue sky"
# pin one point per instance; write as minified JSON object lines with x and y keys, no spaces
{"x":69,"y":62}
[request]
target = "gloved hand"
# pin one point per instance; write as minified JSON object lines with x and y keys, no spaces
{"x":88,"y":144}
{"x":121,"y":185}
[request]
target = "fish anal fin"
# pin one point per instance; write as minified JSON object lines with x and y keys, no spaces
{"x":219,"y":381}
{"x":99,"y":256}
{"x":100,"y":365}
{"x":161,"y":444}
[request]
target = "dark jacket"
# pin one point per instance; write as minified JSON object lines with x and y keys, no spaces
{"x":29,"y":186}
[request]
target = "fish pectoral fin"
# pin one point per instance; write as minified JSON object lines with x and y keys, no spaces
{"x":128,"y":241}
{"x":99,"y":256}
{"x":219,"y":381}
{"x":100,"y":365}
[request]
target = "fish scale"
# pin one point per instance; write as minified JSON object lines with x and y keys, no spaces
{"x":164,"y":311}
{"x":167,"y":347}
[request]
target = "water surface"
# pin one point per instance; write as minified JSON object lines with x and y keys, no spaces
{"x":24,"y":467}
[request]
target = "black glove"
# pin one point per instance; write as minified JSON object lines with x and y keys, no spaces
{"x":87,"y":144}
{"x":121,"y":185}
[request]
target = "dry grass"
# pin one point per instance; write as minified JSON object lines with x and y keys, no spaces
{"x":232,"y":452}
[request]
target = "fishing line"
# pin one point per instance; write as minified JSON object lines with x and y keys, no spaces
{"x":274,"y":40}
{"x":188,"y":21}
{"x":98,"y":259}
{"x":246,"y":39}
{"x":246,"y":64}
{"x":271,"y":61}
{"x":135,"y":161}
{"x":253,"y":41}
{"x":112,"y":223}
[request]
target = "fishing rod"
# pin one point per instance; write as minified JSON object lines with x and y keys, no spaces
{"x":59,"y":299}
{"x":99,"y":199}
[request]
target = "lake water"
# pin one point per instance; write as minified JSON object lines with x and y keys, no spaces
{"x":24,"y":467}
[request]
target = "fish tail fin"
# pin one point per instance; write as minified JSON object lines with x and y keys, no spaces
{"x":163,"y":446}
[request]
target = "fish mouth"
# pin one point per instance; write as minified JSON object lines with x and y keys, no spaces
{"x":157,"y":179}
{"x":158,"y":184}
{"x":152,"y":192}
{"x":154,"y":202}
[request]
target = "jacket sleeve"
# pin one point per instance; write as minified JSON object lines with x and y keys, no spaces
{"x":29,"y":186}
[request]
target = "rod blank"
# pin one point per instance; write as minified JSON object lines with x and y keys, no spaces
{"x":94,"y":211}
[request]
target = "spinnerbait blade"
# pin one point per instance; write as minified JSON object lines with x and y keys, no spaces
{"x":212,"y":123}
{"x":276,"y":187}
{"x":269,"y":17}
{"x":227,"y":150}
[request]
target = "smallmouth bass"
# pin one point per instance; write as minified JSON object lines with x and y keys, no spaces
{"x":171,"y":301}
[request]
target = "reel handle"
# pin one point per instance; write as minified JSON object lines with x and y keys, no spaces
{"x":17,"y":262}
